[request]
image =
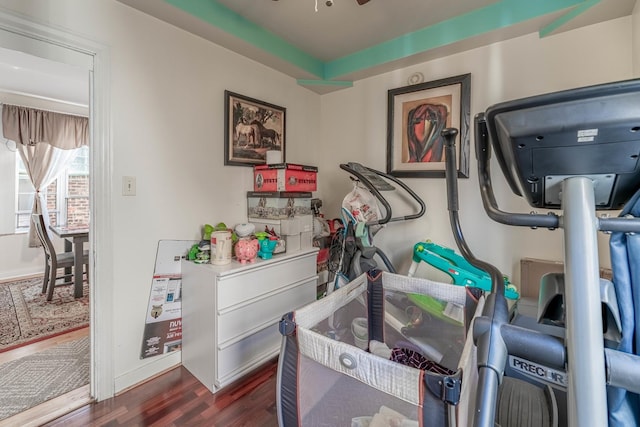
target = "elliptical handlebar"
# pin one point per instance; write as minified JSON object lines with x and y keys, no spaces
{"x":492,"y":349}
{"x":352,"y":167}
{"x":550,"y":220}
{"x":449,"y":136}
{"x":483,"y":155}
{"x":494,"y":337}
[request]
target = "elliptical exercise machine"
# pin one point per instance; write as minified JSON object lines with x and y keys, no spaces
{"x":577,"y":151}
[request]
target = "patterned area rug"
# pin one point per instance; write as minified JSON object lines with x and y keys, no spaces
{"x":34,"y":379}
{"x":26,"y":316}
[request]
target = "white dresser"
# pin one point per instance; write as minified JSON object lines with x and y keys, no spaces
{"x":230,"y":313}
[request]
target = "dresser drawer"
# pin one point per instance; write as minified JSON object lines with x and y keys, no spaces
{"x":246,"y":354}
{"x":239,"y":288}
{"x":243,"y":320}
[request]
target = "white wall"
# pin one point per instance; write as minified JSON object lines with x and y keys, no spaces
{"x":354,"y":129}
{"x":166,"y":92}
{"x":167,"y":98}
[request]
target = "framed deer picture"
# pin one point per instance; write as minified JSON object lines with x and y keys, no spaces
{"x":252,"y":128}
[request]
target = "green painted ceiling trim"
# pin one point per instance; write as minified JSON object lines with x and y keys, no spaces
{"x":497,"y":15}
{"x":567,"y":17}
{"x":342,"y":83}
{"x":229,"y":21}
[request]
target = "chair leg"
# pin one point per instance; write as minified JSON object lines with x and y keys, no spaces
{"x":52,"y":281}
{"x":45,"y":279}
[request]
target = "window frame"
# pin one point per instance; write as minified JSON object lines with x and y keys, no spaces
{"x":59,"y":215}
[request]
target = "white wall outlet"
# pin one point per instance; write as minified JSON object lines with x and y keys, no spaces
{"x":128,"y":185}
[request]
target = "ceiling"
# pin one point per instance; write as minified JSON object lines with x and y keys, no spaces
{"x":327,"y":48}
{"x":29,"y":75}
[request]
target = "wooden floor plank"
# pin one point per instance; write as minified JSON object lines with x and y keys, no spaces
{"x":177,"y":398}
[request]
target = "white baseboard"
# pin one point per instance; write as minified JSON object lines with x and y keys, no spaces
{"x":155,"y":365}
{"x":19,"y":274}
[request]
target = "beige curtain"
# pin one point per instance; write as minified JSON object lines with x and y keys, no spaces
{"x":47,"y":143}
{"x":28,"y":126}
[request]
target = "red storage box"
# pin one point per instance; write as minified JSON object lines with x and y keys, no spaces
{"x":284,"y":177}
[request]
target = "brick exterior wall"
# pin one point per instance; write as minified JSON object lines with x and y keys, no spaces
{"x":52,"y":206}
{"x":77,"y":204}
{"x":78,"y":201}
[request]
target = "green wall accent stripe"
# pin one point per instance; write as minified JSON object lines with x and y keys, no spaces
{"x":498,"y":15}
{"x":567,"y":17}
{"x":343,"y":83}
{"x":501,"y":14}
{"x":229,"y":21}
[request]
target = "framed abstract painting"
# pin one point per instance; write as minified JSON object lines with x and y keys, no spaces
{"x":416,"y":116}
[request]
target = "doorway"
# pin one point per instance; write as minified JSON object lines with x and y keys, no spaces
{"x":22,"y":35}
{"x":50,"y":337}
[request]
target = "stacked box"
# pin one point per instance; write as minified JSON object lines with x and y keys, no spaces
{"x":278,"y":204}
{"x":281,"y":202}
{"x":271,"y":226}
{"x":296,"y":232}
{"x":284,"y":177}
{"x":306,"y":231}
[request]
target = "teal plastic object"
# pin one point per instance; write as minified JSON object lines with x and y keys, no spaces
{"x":459,"y":269}
{"x":267,"y":247}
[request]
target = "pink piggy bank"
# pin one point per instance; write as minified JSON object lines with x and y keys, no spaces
{"x":247,"y":250}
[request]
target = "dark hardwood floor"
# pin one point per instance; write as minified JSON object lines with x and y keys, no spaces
{"x":176,"y":398}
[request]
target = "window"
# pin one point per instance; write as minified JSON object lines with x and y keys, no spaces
{"x":67,"y":197}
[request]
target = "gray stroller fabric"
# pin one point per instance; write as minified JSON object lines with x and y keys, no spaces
{"x":624,"y":406}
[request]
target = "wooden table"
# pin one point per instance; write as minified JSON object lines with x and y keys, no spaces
{"x":74,"y":238}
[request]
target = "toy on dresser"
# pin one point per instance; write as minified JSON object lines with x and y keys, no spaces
{"x":247,"y":248}
{"x":267,"y":244}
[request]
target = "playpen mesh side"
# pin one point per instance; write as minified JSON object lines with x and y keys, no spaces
{"x":325,"y":380}
{"x":335,"y":394}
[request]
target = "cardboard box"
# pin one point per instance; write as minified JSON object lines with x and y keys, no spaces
{"x":284,"y":177}
{"x":270,"y":224}
{"x":292,"y":242}
{"x":305,"y":223}
{"x":306,"y":240}
{"x":278,"y":204}
{"x":532,"y":270}
{"x":290,"y":226}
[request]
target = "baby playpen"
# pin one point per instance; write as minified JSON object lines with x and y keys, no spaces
{"x":370,"y":355}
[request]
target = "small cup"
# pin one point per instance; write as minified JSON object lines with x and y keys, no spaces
{"x":360,"y":331}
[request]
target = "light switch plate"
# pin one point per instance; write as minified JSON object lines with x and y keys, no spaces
{"x":128,"y":185}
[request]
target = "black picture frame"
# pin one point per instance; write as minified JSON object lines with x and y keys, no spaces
{"x":417,"y":150}
{"x":252,"y":127}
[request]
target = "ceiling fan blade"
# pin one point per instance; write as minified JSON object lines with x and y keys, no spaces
{"x":361,"y":2}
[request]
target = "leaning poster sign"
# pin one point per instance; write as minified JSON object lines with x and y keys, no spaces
{"x":163,"y":323}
